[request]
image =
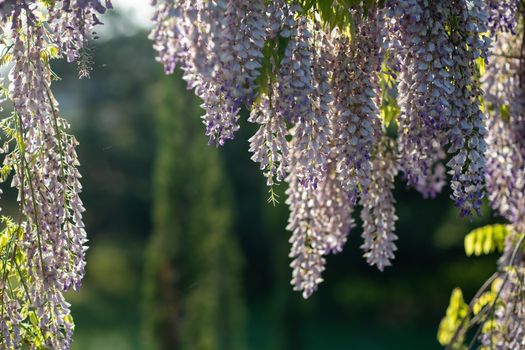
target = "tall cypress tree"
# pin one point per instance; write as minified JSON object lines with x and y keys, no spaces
{"x":192,"y":271}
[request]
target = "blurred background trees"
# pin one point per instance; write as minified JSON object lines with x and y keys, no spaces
{"x":164,"y":207}
{"x":192,"y":296}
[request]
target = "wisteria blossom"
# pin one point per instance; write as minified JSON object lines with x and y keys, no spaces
{"x":310,"y":95}
{"x":357,"y":125}
{"x":320,"y":221}
{"x":424,"y":52}
{"x":378,"y":212}
{"x":466,"y":125}
{"x":233,"y":34}
{"x":503,"y":15}
{"x":505,"y":174}
{"x":72,"y":25}
{"x":48,"y":245}
{"x":271,"y":110}
{"x":505,"y":97}
{"x":312,"y":82}
{"x":317,"y":102}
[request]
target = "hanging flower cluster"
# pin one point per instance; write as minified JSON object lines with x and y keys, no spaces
{"x":505,"y":329}
{"x":315,"y":84}
{"x":423,"y":50}
{"x":43,"y":249}
{"x":498,"y":309}
{"x":505,"y":177}
{"x":504,"y":16}
{"x":318,"y":82}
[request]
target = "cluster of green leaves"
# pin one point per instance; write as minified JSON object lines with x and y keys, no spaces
{"x":15,"y":282}
{"x":273,"y":53}
{"x":5,"y":56}
{"x":460,"y":317}
{"x":457,"y":312}
{"x":389,"y":107}
{"x":338,"y":13}
{"x":486,"y":240}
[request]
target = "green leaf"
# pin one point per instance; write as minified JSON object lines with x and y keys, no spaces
{"x":504,"y":110}
{"x":389,"y":108}
{"x":49,"y":3}
{"x":486,"y":240}
{"x":273,"y":53}
{"x":480,"y":63}
{"x":33,"y":319}
{"x":457,"y":312}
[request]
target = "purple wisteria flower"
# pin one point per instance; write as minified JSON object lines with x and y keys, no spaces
{"x":506,"y":131}
{"x":271,"y":110}
{"x":466,"y":125}
{"x":355,"y":89}
{"x":219,"y":47}
{"x":378,"y":212}
{"x":309,"y":93}
{"x":419,"y":37}
{"x":320,"y":220}
{"x":503,"y":15}
{"x":51,"y":239}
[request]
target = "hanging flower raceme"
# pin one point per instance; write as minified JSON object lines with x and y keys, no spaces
{"x":269,"y":145}
{"x":503,"y":15}
{"x":72,"y":26}
{"x":378,"y":212}
{"x":357,"y":125}
{"x":191,"y":33}
{"x":308,"y":244}
{"x":320,"y":220}
{"x":466,"y":124}
{"x":167,"y":34}
{"x":310,"y":95}
{"x":418,"y":33}
{"x":224,"y":93}
{"x":44,"y":251}
{"x":506,"y":172}
{"x":219,"y":47}
{"x":270,"y":109}
{"x":318,"y":131}
{"x":505,"y":152}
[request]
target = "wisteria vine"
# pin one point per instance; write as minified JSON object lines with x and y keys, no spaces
{"x":328,"y":76}
{"x":42,"y":251}
{"x":320,"y":80}
{"x":318,"y":101}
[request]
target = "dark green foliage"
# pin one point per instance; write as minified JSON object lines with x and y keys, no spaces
{"x":192,"y":283}
{"x":486,"y":239}
{"x":273,"y":53}
{"x":338,"y":13}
